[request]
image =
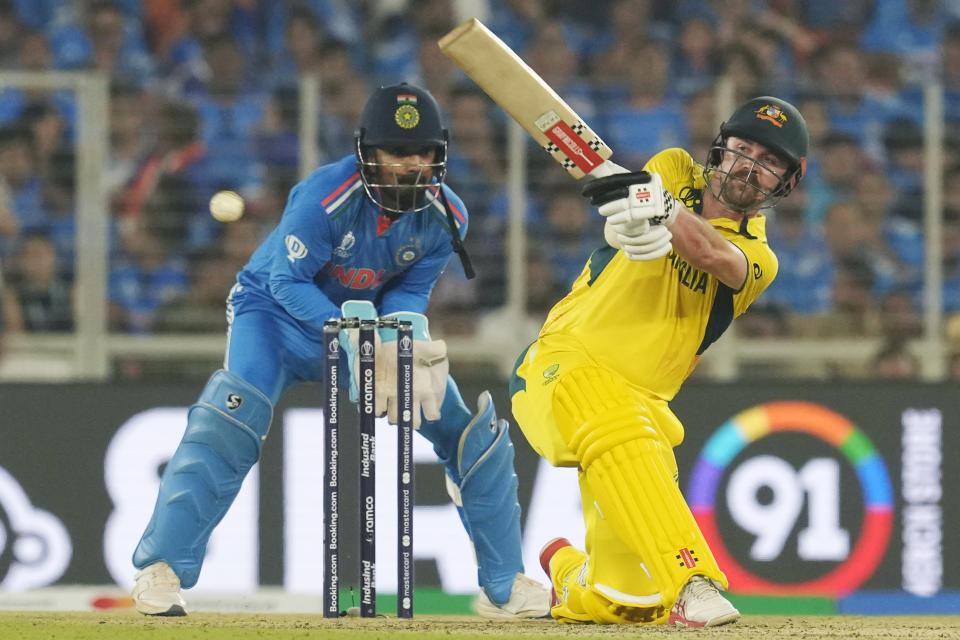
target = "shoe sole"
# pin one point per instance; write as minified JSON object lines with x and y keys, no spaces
{"x":715,"y":622}
{"x":174,"y":611}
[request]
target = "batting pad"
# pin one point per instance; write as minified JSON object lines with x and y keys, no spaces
{"x":631,"y":472}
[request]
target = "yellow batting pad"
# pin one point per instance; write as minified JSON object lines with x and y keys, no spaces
{"x":630,"y":469}
{"x":637,"y":494}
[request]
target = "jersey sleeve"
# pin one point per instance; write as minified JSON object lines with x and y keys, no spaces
{"x":762,"y":266}
{"x":305,"y":249}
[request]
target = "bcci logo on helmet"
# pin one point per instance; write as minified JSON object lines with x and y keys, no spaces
{"x":407,"y":116}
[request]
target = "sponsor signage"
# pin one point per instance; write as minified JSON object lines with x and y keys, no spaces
{"x":810,"y":490}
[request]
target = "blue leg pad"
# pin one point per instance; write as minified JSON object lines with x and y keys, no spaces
{"x":223,"y":439}
{"x":485,"y":490}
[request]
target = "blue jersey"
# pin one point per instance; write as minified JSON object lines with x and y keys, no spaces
{"x":334,"y":244}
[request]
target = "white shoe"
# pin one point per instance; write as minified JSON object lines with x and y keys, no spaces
{"x":701,"y":605}
{"x":157,"y":592}
{"x":528,"y":599}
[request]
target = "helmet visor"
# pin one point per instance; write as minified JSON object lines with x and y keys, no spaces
{"x":744,"y":183}
{"x":401,"y":186}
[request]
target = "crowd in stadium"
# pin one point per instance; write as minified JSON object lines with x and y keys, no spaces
{"x":204,"y":96}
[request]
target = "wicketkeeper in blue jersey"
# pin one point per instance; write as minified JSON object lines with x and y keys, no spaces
{"x":365,"y":236}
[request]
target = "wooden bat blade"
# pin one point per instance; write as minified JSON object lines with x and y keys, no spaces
{"x":523,"y":94}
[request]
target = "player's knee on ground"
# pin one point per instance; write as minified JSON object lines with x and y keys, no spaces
{"x":583,"y":601}
{"x":605,"y":609}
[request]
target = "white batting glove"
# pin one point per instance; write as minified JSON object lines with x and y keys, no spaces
{"x":645,"y":202}
{"x":632,"y":197}
{"x":650,"y":244}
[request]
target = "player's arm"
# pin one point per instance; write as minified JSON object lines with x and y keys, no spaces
{"x":304,"y":251}
{"x":646,"y":222}
{"x":705,"y":249}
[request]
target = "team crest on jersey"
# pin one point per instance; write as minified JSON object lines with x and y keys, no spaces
{"x":407,"y":116}
{"x":550,"y":373}
{"x":295,"y":248}
{"x":772,"y":113}
{"x":408,"y":254}
{"x":343,"y":251}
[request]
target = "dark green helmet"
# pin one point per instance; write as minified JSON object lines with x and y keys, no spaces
{"x":774,"y":123}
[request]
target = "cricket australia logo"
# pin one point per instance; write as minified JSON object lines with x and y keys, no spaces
{"x":343,"y":251}
{"x":550,"y":373}
{"x":295,"y":248}
{"x":772,"y":113}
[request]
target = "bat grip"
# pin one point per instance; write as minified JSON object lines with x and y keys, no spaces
{"x":607,"y":168}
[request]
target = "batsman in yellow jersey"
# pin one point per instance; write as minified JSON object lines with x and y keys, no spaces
{"x":687,"y":252}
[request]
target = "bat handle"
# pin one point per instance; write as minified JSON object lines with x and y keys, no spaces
{"x":607,"y":168}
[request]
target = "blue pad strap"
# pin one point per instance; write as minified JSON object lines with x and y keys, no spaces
{"x":363,"y":310}
{"x":488,"y":499}
{"x":223,"y":439}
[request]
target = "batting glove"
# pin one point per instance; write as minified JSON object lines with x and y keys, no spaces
{"x":631,"y":199}
{"x":648,"y":245}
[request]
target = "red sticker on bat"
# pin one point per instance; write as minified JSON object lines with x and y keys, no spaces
{"x":573,"y":146}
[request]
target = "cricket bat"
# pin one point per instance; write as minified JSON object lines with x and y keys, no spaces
{"x":530,"y":101}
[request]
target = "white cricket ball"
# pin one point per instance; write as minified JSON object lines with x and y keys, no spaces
{"x":353,"y":612}
{"x":226,"y":206}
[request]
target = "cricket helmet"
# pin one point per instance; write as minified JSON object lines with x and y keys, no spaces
{"x":777,"y":125}
{"x":401,"y":119}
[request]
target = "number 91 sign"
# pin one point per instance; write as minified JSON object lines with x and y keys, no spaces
{"x":769,"y":499}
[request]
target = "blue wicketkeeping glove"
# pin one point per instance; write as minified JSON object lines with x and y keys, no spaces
{"x":350,"y":338}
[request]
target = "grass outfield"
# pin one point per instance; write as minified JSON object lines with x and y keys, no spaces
{"x":128,"y":625}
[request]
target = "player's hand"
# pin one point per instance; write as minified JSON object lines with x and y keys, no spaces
{"x":653,"y":243}
{"x":633,"y":199}
{"x":430,"y":370}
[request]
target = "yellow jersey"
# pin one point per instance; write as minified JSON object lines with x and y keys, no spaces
{"x":649,"y":321}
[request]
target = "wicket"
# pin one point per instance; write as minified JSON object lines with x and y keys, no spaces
{"x":331,"y":476}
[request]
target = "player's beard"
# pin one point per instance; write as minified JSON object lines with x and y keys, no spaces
{"x":741,"y":191}
{"x":408,"y":193}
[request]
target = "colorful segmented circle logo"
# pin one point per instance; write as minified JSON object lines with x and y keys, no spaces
{"x":836,"y":430}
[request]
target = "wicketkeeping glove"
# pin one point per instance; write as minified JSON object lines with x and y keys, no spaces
{"x":430,"y":369}
{"x":349,"y":338}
